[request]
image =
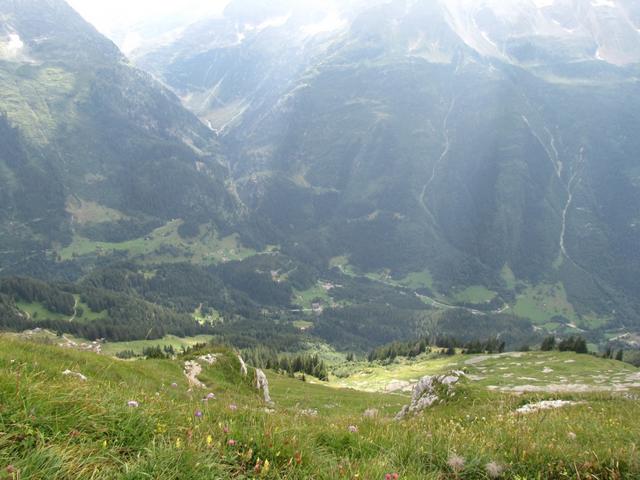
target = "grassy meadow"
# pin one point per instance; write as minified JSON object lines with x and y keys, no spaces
{"x":205,"y":248}
{"x":59,"y":427}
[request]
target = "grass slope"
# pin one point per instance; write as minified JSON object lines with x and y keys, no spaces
{"x":205,"y":248}
{"x":513,"y":371}
{"x":37,"y":311}
{"x":57,"y":427}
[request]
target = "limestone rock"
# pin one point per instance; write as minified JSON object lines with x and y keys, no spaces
{"x":429,"y":390}
{"x":263,"y":384}
{"x":79,"y":376}
{"x":209,"y":358}
{"x":191,"y":370}
{"x":243,"y":366}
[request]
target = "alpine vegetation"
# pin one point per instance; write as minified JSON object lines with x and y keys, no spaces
{"x":319,"y":239}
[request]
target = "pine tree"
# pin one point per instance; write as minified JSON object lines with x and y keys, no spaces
{"x":548,"y":344}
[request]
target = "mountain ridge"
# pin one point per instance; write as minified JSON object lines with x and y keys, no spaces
{"x":106,"y":134}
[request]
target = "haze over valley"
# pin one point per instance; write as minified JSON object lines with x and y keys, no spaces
{"x":361,"y":189}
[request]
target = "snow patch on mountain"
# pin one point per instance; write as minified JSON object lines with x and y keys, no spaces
{"x":431,"y":51}
{"x":495,"y":28}
{"x":273,"y":22}
{"x":332,"y":22}
{"x":603,"y":3}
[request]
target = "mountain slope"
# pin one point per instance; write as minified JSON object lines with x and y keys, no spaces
{"x":140,"y":419}
{"x":90,"y":144}
{"x":487,"y":144}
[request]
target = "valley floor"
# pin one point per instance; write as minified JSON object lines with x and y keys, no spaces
{"x":140,"y":419}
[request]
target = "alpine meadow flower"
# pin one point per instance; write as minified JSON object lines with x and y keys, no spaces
{"x":352,"y":428}
{"x":231,"y":442}
{"x":133,"y":404}
{"x":456,"y":462}
{"x":198,"y":414}
{"x":493,"y":469}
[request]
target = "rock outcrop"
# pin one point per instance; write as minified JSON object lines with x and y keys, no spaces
{"x":429,"y":390}
{"x":243,"y":366}
{"x":546,"y":405}
{"x":191,"y":370}
{"x":209,"y":358}
{"x":79,"y":376}
{"x":263,"y":384}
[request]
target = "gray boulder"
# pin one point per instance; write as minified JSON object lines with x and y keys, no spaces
{"x":429,"y":390}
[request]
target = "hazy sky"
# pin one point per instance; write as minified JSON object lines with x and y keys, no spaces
{"x":109,"y":16}
{"x":121,"y":20}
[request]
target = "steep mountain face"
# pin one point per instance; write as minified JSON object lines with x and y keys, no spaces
{"x":488,"y":143}
{"x":248,"y":58}
{"x":530,"y":32}
{"x":89,"y":143}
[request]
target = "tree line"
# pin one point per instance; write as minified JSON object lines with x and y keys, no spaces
{"x":444,"y":343}
{"x":263,"y":357}
{"x":30,"y":290}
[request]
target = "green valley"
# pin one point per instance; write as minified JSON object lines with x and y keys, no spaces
{"x":319,"y":239}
